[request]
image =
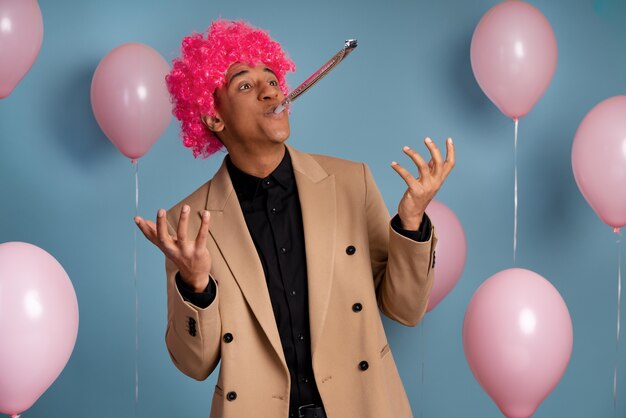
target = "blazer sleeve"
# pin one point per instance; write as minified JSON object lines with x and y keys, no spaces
{"x":402,"y":268}
{"x":193,"y":334}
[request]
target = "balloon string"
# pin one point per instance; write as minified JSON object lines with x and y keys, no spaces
{"x":136,"y":164}
{"x":515,"y":197}
{"x":619,"y":303}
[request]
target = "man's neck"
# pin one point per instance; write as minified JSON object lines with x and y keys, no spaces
{"x":256,"y":162}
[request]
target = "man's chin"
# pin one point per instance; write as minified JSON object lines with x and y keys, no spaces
{"x":279,"y":137}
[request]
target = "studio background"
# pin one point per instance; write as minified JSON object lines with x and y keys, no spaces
{"x":66,"y":189}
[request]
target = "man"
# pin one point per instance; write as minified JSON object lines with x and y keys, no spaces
{"x":278,"y":265}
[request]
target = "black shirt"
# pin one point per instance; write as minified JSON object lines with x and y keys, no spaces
{"x":271,"y":209}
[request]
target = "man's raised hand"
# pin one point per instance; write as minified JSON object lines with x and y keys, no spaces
{"x":422,"y":189}
{"x":190,"y":256}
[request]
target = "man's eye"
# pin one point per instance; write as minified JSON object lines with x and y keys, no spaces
{"x":244,"y":86}
{"x":273,"y":83}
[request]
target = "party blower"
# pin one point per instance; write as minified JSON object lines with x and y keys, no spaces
{"x":348,"y":47}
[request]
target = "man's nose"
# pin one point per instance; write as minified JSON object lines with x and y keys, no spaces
{"x":268,"y":92}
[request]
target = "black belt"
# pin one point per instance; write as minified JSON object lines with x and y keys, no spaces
{"x":311,"y":411}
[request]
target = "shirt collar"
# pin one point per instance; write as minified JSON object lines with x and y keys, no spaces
{"x":248,"y":186}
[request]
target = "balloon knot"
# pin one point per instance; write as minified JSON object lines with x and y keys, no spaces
{"x":133,"y":161}
{"x":616,"y":230}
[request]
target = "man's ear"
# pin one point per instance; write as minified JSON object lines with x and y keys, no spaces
{"x":214,"y":123}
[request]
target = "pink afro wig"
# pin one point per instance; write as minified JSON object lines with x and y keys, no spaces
{"x":201,"y":70}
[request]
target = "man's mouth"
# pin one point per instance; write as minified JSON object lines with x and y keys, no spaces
{"x":271,"y":112}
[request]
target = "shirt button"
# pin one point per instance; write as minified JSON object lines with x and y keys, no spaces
{"x":228,"y":337}
{"x":350,"y":250}
{"x":268,"y":182}
{"x":274,"y":210}
{"x":301,"y":337}
{"x":305,"y":380}
{"x":357,"y":307}
{"x":364,"y":365}
{"x":231,"y":396}
{"x":293,"y":293}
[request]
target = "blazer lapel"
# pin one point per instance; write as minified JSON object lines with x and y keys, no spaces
{"x":230,"y":232}
{"x":316,"y":190}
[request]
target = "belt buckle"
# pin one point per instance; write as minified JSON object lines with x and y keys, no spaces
{"x":304,"y":406}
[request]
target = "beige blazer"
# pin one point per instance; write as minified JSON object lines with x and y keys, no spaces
{"x":341,"y":207}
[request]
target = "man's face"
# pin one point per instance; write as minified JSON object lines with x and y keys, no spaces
{"x":245,"y":106}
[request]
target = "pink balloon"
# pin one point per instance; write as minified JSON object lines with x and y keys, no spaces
{"x":38,"y":324}
{"x":513,"y":54}
{"x":599,"y":160}
{"x":451,"y":251}
{"x":129,"y":98}
{"x":517,"y":336}
{"x":21,"y":34}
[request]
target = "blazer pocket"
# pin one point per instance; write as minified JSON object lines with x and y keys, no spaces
{"x":384,"y":351}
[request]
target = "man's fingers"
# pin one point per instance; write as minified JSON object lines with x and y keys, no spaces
{"x":450,"y":157}
{"x":435,"y":154}
{"x":163,"y":234}
{"x":145,"y":228}
{"x":148,"y":228}
{"x":203,"y":232}
{"x":182,"y":223}
{"x":406,"y":175}
{"x":421,"y":164}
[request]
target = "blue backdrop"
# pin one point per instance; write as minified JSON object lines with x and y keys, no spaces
{"x":66,"y":188}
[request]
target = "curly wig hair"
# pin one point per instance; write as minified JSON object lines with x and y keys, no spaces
{"x":201,"y":69}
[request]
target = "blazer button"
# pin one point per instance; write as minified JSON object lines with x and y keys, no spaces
{"x":192,"y":322}
{"x":434,"y":256}
{"x":192,"y":332}
{"x":231,"y":396}
{"x":357,"y":307}
{"x":228,"y":337}
{"x":364,"y":365}
{"x":350,"y":250}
